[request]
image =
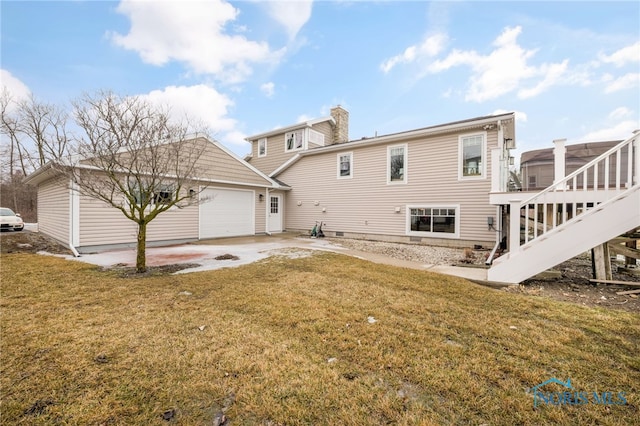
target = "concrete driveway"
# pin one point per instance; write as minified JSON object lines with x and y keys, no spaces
{"x":245,"y":250}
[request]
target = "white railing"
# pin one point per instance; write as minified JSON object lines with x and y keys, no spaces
{"x":565,"y":201}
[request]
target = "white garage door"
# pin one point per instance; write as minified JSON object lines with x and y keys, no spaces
{"x":226,"y":213}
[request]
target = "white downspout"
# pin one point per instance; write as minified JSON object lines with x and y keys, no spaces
{"x":267,"y":211}
{"x":74,"y":219}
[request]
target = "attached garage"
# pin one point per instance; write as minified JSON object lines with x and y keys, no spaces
{"x":227,"y":213}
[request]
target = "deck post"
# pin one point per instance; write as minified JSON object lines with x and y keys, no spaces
{"x":602,"y":262}
{"x":559,"y":152}
{"x":514,"y":226}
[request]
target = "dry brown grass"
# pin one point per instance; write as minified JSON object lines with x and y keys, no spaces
{"x":288,"y":341}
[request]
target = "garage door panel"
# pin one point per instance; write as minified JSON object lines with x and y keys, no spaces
{"x":227,"y":213}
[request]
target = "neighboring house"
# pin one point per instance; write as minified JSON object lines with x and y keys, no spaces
{"x":235,"y":191}
{"x":424,"y":185}
{"x":537,"y":167}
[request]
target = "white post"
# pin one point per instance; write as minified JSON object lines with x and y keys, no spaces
{"x":636,"y":153}
{"x":559,"y":152}
{"x":514,"y":226}
{"x":496,"y":172}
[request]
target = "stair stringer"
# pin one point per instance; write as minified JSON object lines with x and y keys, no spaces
{"x":608,"y":220}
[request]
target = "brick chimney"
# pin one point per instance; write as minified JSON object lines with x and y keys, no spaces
{"x":341,"y":130}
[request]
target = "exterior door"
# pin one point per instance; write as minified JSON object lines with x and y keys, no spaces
{"x":275,"y":213}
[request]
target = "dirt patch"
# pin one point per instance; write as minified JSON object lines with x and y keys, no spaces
{"x":29,"y":242}
{"x":573,"y":285}
{"x":123,"y":271}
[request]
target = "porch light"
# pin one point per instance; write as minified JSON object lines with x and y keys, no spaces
{"x":260,"y":197}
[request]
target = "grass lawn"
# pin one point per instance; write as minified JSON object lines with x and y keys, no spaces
{"x":289,"y":341}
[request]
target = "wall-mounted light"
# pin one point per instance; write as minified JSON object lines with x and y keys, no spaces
{"x":260,"y":197}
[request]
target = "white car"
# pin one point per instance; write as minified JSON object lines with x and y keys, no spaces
{"x":10,"y":220}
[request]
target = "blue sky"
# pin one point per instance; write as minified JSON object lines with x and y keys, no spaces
{"x":568,"y":69}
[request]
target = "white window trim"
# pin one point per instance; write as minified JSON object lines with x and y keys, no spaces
{"x":405,"y":163}
{"x":342,"y":154}
{"x":408,"y":230}
{"x":305,"y":138}
{"x":483,"y":168}
{"x":265,"y":147}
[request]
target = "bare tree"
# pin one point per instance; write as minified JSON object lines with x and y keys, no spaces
{"x":45,"y":125}
{"x":134,"y":158}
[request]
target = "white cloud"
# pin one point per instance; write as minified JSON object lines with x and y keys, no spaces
{"x":619,"y":131}
{"x":620,"y":112}
{"x":292,"y":15}
{"x":627,"y":81}
{"x":430,"y":47}
{"x":16,"y":88}
{"x":268,"y":89}
{"x":552,"y":74}
{"x":192,"y":33}
{"x":629,"y":54}
{"x":620,"y":124}
{"x":505,"y":69}
{"x":201,"y":103}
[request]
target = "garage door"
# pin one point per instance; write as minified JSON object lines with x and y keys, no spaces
{"x":226,"y":213}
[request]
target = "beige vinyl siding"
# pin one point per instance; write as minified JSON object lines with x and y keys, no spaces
{"x":54,"y":210}
{"x":276,"y":154}
{"x":216,"y":164}
{"x":102,"y":224}
{"x":366,"y":204}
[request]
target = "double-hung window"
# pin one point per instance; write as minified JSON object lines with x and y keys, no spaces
{"x":262,"y":147}
{"x":397,"y":164}
{"x":472,"y":156}
{"x":434,"y":221}
{"x":345,"y":165}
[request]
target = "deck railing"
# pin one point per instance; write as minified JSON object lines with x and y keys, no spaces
{"x":566,"y":200}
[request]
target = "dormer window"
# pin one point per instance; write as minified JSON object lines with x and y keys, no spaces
{"x":262,"y":147}
{"x":294,"y":140}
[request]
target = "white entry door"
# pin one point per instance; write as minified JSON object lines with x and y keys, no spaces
{"x":275,"y":213}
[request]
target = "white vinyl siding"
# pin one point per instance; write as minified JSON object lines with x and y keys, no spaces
{"x":345,"y":165}
{"x":397,"y":164}
{"x":472,"y":156}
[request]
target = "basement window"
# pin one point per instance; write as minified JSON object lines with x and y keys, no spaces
{"x":433,"y":221}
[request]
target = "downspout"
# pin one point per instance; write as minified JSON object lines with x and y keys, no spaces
{"x":73,"y":217}
{"x":267,"y":204}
